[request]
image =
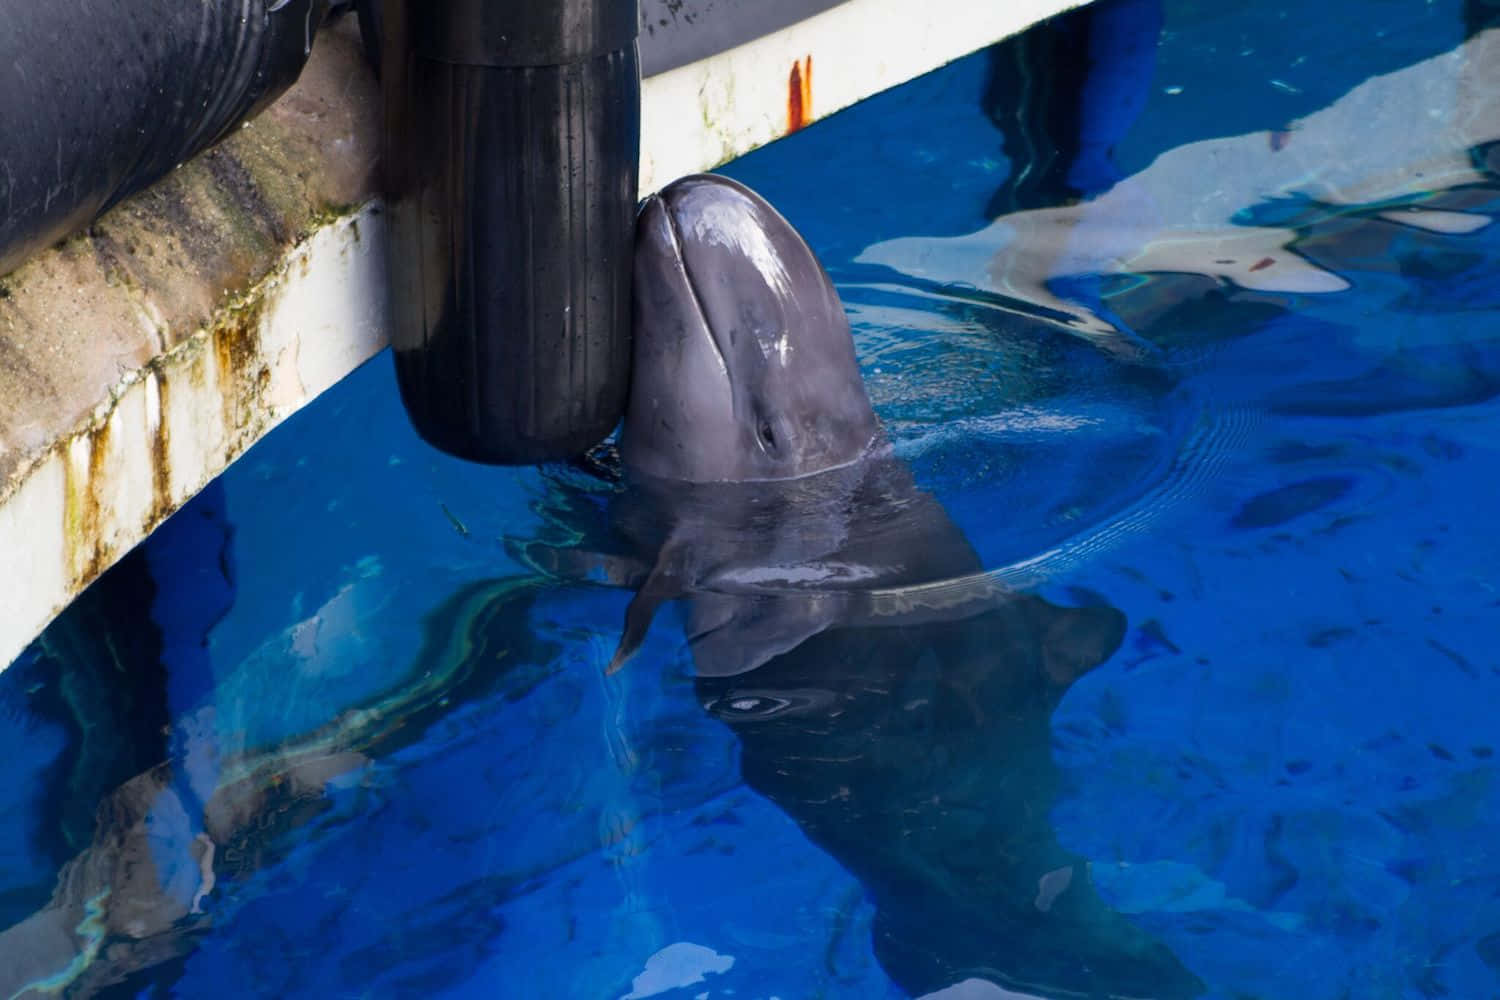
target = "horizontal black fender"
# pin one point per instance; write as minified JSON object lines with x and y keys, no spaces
{"x":97,"y":100}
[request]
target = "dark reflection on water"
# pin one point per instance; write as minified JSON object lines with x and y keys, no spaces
{"x":1209,"y":410}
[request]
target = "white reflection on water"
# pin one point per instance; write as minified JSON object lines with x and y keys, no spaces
{"x":1392,"y":138}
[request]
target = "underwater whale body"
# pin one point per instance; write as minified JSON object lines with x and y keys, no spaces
{"x":888,"y":696}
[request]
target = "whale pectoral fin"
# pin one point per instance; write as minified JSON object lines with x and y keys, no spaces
{"x":638,"y":618}
{"x":1076,"y":640}
{"x":667,"y":581}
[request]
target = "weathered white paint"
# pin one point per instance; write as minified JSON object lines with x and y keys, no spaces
{"x":173,"y":426}
{"x":168,"y":428}
{"x":34,"y":584}
{"x":708,"y":112}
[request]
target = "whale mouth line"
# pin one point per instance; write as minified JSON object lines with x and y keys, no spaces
{"x":674,"y":234}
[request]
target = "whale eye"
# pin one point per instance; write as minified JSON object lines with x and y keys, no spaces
{"x":767,"y":436}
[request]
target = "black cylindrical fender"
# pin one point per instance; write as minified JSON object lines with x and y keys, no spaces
{"x":512,"y":136}
{"x":97,"y":100}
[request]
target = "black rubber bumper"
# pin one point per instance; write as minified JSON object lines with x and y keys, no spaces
{"x":512,"y":136}
{"x":97,"y":100}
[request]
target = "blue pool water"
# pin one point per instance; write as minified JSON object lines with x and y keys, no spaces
{"x":1230,"y":369}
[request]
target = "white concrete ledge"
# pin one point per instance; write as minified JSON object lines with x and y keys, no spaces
{"x":142,"y":357}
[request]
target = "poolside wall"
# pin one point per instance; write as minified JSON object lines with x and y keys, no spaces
{"x":143,"y":355}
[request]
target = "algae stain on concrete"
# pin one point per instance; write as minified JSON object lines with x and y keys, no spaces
{"x":120,"y":477}
{"x":244,"y":375}
{"x":80,"y":511}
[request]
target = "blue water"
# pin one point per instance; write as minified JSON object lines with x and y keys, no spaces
{"x":1233,"y":373}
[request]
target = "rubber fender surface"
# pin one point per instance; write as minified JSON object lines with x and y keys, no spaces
{"x":512,"y":192}
{"x":97,"y":100}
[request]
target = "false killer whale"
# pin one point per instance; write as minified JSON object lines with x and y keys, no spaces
{"x":888,"y":695}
